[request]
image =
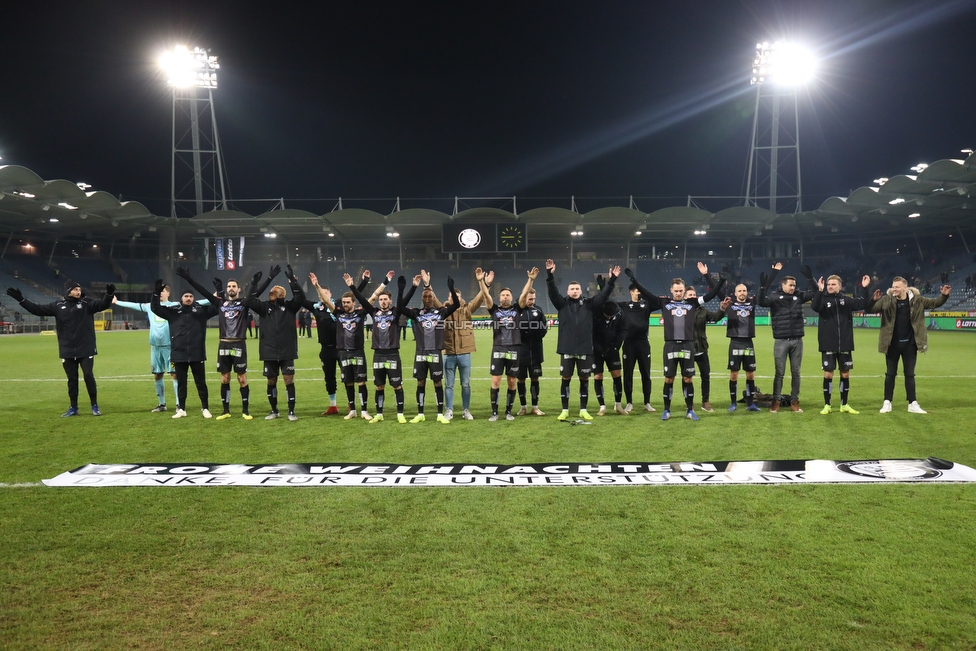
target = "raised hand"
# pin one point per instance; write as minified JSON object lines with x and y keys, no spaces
{"x":703,"y":268}
{"x":479,"y":274}
{"x":275,"y":270}
{"x":218,"y":285}
{"x":366,"y":275}
{"x":401,"y":284}
{"x":533,"y":273}
{"x":18,"y":296}
{"x":158,"y":287}
{"x":312,"y":278}
{"x":425,"y":276}
{"x":629,"y":273}
{"x":416,"y":280}
{"x":110,"y":288}
{"x":615,"y":271}
{"x":450,"y":284}
{"x":877,"y":295}
{"x":806,"y":271}
{"x":820,"y":283}
{"x":600,"y":281}
{"x":945,"y":289}
{"x":389,"y":276}
{"x":290,"y":274}
{"x":778,"y":266}
{"x":183,"y":272}
{"x":115,"y":299}
{"x":348,"y":279}
{"x":256,"y":278}
{"x":489,"y":278}
{"x":726,"y":302}
{"x":763,"y":280}
{"x":550,"y":266}
{"x":865,"y":281}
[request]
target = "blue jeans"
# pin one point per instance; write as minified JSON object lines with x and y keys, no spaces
{"x":453,"y":363}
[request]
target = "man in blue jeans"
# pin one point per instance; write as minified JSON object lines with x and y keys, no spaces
{"x":458,"y":346}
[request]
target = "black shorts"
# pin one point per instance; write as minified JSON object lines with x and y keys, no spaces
{"x":742,"y":355}
{"x":431,"y":362}
{"x":570,"y":364}
{"x":504,"y":361}
{"x":832,"y":360}
{"x":276,"y":367}
{"x":232,"y":355}
{"x":679,"y":354}
{"x":387,"y":369}
{"x":352,"y":366}
{"x":530,"y":363}
{"x":609,"y":358}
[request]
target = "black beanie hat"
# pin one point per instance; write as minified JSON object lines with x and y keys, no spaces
{"x":71,"y":284}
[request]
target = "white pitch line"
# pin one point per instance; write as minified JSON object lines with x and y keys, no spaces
{"x":23,"y":485}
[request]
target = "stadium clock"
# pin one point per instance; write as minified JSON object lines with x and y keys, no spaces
{"x":511,"y":237}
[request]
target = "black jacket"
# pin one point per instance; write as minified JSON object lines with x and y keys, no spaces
{"x":576,"y":318}
{"x":187,"y":328}
{"x":836,"y":331}
{"x":608,"y":334}
{"x":279,"y":336}
{"x":74,"y":322}
{"x":785,"y":310}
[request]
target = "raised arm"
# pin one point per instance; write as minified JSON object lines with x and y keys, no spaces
{"x":366,"y":303}
{"x":558,"y":300}
{"x":648,"y":295}
{"x":604,"y":293}
{"x":323,"y":296}
{"x":33,"y":308}
{"x":379,"y":288}
{"x":297,"y":293}
{"x":184,"y":273}
{"x":455,"y":301}
{"x":533,"y":273}
{"x":485,"y":295}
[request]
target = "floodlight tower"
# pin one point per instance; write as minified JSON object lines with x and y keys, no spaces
{"x":773,"y":174}
{"x":196,"y":157}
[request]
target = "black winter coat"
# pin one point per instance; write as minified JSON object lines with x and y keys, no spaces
{"x":785,"y":310}
{"x":279,"y":336}
{"x":576,"y":318}
{"x":187,"y":328}
{"x":74,"y":322}
{"x":836,"y":331}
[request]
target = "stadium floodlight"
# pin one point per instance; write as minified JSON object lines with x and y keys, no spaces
{"x":882,"y":180}
{"x":187,"y":68}
{"x":919,"y":168}
{"x":782,"y":62}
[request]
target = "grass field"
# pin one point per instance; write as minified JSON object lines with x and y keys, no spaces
{"x":729,"y":567}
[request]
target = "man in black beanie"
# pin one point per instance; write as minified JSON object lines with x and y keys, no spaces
{"x":74,"y":318}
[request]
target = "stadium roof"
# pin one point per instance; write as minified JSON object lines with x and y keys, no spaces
{"x":936,"y":199}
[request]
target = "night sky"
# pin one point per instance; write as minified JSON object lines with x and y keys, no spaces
{"x":437,"y":99}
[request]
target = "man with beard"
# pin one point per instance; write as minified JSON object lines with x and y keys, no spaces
{"x":741,"y":330}
{"x":278,"y":347}
{"x":575,"y":343}
{"x":679,"y":338}
{"x":636,"y":348}
{"x":506,"y":339}
{"x":428,"y":333}
{"x":534,"y":326}
{"x":74,"y":320}
{"x":188,"y":344}
{"x":234,"y":318}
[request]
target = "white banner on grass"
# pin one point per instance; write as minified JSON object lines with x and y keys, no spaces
{"x":709,"y":473}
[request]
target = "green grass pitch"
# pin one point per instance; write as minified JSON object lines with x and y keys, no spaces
{"x":728,"y":567}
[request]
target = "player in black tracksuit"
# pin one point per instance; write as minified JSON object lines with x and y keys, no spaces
{"x":702,"y":319}
{"x":188,"y":344}
{"x":636,"y":347}
{"x":74,"y":323}
{"x":278,"y":347}
{"x":533,"y":325}
{"x":835,"y":334}
{"x":575,"y":340}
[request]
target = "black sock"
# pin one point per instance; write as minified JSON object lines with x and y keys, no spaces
{"x":534,"y":392}
{"x":420,"y":400}
{"x":398,"y":394}
{"x":273,"y":397}
{"x":439,"y":396}
{"x":351,"y":396}
{"x":845,"y":387}
{"x":598,"y":389}
{"x":584,"y":392}
{"x":668,"y":392}
{"x":827,"y":389}
{"x":617,"y":389}
{"x":734,"y":391}
{"x":494,"y":401}
{"x":290,"y":392}
{"x":750,"y":392}
{"x":225,"y":397}
{"x":509,"y":401}
{"x":380,"y":398}
{"x":564,"y":394}
{"x":689,"y":391}
{"x":363,"y":397}
{"x":245,"y":398}
{"x":521,"y":392}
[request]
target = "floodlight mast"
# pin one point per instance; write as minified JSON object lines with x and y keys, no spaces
{"x":778,"y":69}
{"x":192,"y":74}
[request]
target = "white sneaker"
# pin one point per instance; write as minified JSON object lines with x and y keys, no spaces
{"x":602,"y":411}
{"x":449,"y":414}
{"x":467,"y":415}
{"x":537,"y":412}
{"x":648,"y":407}
{"x":629,"y":408}
{"x":292,"y":417}
{"x":207,"y":414}
{"x":493,"y":418}
{"x":352,"y":414}
{"x":365,"y":414}
{"x":913,"y":408}
{"x":179,"y":413}
{"x":273,"y":415}
{"x":886,"y":407}
{"x":523,"y":411}
{"x":617,"y":407}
